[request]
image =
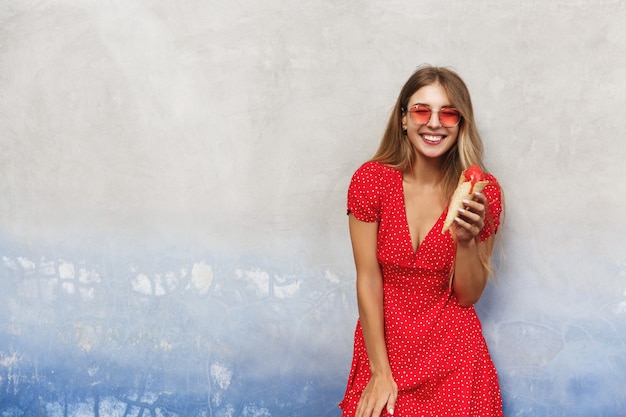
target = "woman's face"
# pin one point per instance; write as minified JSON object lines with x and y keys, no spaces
{"x":430,"y":139}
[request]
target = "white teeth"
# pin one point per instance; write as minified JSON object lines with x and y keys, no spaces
{"x":430,"y":138}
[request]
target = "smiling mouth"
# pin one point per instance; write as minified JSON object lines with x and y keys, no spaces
{"x":433,"y":139}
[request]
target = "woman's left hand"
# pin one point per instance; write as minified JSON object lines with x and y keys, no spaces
{"x":471,"y":218}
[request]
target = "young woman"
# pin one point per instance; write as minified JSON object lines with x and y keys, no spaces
{"x":418,"y":345}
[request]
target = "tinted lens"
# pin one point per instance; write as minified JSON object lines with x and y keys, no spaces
{"x":449,"y":117}
{"x":420,"y":114}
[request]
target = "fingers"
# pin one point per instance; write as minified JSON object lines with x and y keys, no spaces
{"x":379,"y":394}
{"x":370,"y":407}
{"x":472,"y":217}
{"x":477,"y":203}
{"x":466,"y":231}
{"x":365,"y":410}
{"x":367,"y":407}
{"x":392,"y":403}
{"x":469,"y":218}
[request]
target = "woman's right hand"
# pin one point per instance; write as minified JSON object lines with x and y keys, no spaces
{"x":380,"y":393}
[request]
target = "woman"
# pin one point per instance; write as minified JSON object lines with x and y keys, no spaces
{"x":418,"y":346}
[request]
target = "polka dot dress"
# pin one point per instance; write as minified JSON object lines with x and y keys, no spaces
{"x":436,"y":349}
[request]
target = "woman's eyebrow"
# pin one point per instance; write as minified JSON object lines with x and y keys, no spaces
{"x":429,"y":106}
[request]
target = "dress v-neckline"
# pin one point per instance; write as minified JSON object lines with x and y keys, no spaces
{"x":415,"y":249}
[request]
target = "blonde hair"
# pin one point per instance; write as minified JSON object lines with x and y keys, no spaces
{"x":395,"y":149}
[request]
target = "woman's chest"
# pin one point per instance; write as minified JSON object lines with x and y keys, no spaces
{"x":413,"y":238}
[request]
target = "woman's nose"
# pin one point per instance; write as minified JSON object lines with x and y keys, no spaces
{"x":434,"y":119}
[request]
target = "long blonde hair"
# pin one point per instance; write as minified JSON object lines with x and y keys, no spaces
{"x":396,"y":150}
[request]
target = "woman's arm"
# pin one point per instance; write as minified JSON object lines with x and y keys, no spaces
{"x":382,"y":390}
{"x":470,"y":274}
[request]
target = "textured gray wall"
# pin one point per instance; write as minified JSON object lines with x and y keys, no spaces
{"x":173,"y":175}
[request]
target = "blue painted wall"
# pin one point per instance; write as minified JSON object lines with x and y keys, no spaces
{"x":173,"y":239}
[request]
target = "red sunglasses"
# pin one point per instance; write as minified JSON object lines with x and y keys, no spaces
{"x":448,"y":116}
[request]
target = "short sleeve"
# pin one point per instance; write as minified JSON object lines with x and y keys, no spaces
{"x":493,"y":193}
{"x":364,"y":193}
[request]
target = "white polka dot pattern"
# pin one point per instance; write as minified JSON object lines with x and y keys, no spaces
{"x":436,"y":349}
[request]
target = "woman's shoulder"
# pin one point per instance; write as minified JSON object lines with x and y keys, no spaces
{"x":370,"y":183}
{"x":493,"y":182}
{"x":492,"y":179}
{"x":376,"y":168}
{"x":374,"y":177}
{"x":493,"y":191}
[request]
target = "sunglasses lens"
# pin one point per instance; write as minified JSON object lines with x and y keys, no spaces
{"x":449,"y":117}
{"x":420,"y":114}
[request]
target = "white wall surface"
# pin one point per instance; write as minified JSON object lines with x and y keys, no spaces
{"x":173,"y":179}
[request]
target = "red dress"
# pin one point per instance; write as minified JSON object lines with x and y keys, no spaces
{"x":436,"y":349}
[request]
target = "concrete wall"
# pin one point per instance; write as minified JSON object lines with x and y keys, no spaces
{"x":173,"y":236}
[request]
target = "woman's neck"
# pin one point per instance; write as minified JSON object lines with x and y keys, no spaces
{"x":426,"y":172}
